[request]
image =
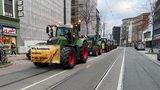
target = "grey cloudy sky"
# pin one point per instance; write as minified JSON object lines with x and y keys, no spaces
{"x":113,"y":11}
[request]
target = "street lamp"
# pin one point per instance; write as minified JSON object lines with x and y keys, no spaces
{"x":64,"y":11}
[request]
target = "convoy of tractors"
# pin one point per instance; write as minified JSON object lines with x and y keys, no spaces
{"x":66,"y":47}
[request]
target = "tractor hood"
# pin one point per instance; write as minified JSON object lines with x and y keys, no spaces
{"x":52,"y":41}
{"x":55,"y":40}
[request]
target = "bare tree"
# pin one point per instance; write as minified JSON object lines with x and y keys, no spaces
{"x":86,"y":12}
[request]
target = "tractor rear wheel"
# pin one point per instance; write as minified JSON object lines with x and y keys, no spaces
{"x":106,"y":49}
{"x":41,"y":65}
{"x":68,"y":58}
{"x":84,"y":53}
{"x":95,"y":50}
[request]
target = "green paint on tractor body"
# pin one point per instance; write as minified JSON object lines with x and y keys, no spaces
{"x":64,"y":43}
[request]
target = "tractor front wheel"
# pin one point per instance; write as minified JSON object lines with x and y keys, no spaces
{"x":68,"y":58}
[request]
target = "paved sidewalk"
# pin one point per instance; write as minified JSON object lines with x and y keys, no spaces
{"x":19,"y":62}
{"x":155,"y":49}
{"x":152,"y":57}
{"x":17,"y":57}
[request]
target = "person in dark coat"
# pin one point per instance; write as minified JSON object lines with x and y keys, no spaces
{"x":13,"y":48}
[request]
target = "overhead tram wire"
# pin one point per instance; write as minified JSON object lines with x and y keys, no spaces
{"x":109,"y":8}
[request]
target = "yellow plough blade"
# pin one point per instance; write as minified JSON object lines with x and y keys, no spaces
{"x":45,"y":54}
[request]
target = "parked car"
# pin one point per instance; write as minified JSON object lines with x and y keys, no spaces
{"x":140,"y":47}
{"x":28,"y":54}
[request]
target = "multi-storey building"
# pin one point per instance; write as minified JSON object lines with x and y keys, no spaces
{"x":156,"y":31}
{"x":147,"y":34}
{"x":126,"y":31}
{"x":78,"y":8}
{"x":103,"y":28}
{"x":116,"y":34}
{"x":9,"y":23}
{"x":37,"y":15}
{"x":140,"y":24}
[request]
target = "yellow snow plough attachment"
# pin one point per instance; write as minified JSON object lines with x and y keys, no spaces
{"x":45,"y":54}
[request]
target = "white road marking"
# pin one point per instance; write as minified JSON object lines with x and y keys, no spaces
{"x":120,"y":81}
{"x":106,"y":74}
{"x":90,"y":60}
{"x":43,"y":80}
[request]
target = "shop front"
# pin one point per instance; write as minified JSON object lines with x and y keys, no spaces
{"x":8,"y":36}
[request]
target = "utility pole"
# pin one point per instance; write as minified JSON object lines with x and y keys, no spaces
{"x":64,"y":11}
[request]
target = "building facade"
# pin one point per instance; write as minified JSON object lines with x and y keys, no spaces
{"x":9,"y":23}
{"x":116,"y":34}
{"x":103,"y":29}
{"x":79,"y":8}
{"x":156,"y":31}
{"x":37,"y":15}
{"x":147,"y":34}
{"x":140,"y":24}
{"x":126,"y":31}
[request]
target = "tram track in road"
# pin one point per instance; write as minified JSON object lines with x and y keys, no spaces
{"x":25,"y":77}
{"x":76,"y":73}
{"x":105,"y":74}
{"x":79,"y":69}
{"x":54,"y":72}
{"x":7,"y":84}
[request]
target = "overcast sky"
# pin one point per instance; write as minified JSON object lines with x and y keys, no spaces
{"x":113,"y":11}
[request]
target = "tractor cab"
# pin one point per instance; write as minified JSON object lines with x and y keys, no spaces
{"x":65,"y":33}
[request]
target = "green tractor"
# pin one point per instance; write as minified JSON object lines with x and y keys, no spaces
{"x":105,"y":44}
{"x":95,"y":45}
{"x":65,"y":47}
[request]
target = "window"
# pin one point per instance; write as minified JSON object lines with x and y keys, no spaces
{"x":8,"y":7}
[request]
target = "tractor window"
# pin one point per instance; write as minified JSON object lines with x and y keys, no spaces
{"x":61,"y":31}
{"x":91,"y":37}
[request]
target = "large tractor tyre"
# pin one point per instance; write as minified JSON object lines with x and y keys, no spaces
{"x":95,"y":51}
{"x":84,"y":53}
{"x":100,"y":50}
{"x":106,"y":49}
{"x":40,"y":65}
{"x":68,"y":59}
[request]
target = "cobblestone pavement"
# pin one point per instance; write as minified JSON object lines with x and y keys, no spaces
{"x":19,"y":62}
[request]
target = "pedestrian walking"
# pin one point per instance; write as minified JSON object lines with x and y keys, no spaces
{"x":13,"y":48}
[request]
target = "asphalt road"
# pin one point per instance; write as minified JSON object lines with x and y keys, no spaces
{"x":140,"y":72}
{"x":82,"y":77}
{"x":120,"y":69}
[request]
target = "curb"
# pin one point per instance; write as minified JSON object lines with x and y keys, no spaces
{"x":6,"y":65}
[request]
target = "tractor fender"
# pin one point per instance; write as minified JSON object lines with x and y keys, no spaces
{"x":79,"y":42}
{"x":98,"y":43}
